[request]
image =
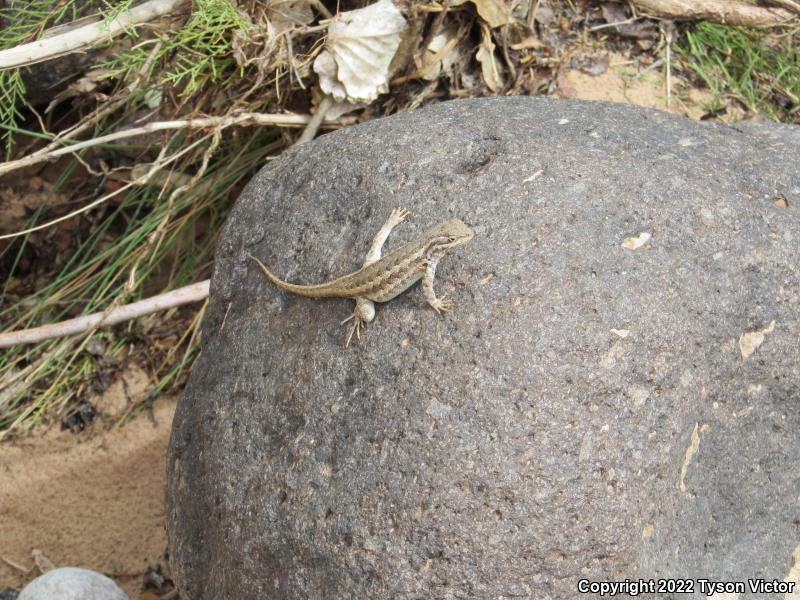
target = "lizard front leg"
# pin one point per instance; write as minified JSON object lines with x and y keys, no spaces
{"x":363,"y":314}
{"x":397,"y":216}
{"x":440,"y":305}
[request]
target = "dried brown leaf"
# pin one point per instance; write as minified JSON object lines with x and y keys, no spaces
{"x":490,"y":66}
{"x":494,"y":12}
{"x":361,"y":44}
{"x":439,"y":55}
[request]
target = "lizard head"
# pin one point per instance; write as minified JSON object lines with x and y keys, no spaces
{"x":448,"y":235}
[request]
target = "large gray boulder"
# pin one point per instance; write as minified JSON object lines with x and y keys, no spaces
{"x":600,"y":404}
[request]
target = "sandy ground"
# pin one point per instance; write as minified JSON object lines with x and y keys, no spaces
{"x":96,"y":499}
{"x":93,"y":500}
{"x":623,"y":83}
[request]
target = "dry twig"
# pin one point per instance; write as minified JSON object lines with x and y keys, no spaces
{"x":282,"y":120}
{"x":727,"y":12}
{"x":77,"y":38}
{"x":184,"y":295}
{"x":313,"y":124}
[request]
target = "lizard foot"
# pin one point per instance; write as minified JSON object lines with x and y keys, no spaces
{"x":443,"y":305}
{"x":398,"y":215}
{"x":354,"y":328}
{"x":363,"y":314}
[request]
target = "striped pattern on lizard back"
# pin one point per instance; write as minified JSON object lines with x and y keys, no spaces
{"x":381,"y":279}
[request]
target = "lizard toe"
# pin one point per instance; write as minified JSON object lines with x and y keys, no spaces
{"x":355,"y":328}
{"x":398,"y":215}
{"x":443,"y":305}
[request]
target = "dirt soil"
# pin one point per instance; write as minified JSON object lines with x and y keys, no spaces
{"x":93,"y":500}
{"x":623,"y":83}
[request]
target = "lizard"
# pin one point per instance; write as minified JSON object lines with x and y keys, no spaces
{"x":381,"y":279}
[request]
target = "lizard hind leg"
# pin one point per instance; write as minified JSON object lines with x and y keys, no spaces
{"x":364,"y":313}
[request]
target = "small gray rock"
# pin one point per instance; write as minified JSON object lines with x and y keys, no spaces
{"x":615,"y":394}
{"x":72,"y":583}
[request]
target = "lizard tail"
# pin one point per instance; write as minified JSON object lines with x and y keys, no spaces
{"x":312,"y":291}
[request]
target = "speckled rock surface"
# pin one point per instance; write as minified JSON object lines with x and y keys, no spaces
{"x":71,"y":583}
{"x":586,"y":411}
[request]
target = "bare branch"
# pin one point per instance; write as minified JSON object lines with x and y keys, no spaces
{"x":76,"y":38}
{"x":282,"y":120}
{"x":727,"y":12}
{"x":184,"y":295}
{"x":313,"y":124}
